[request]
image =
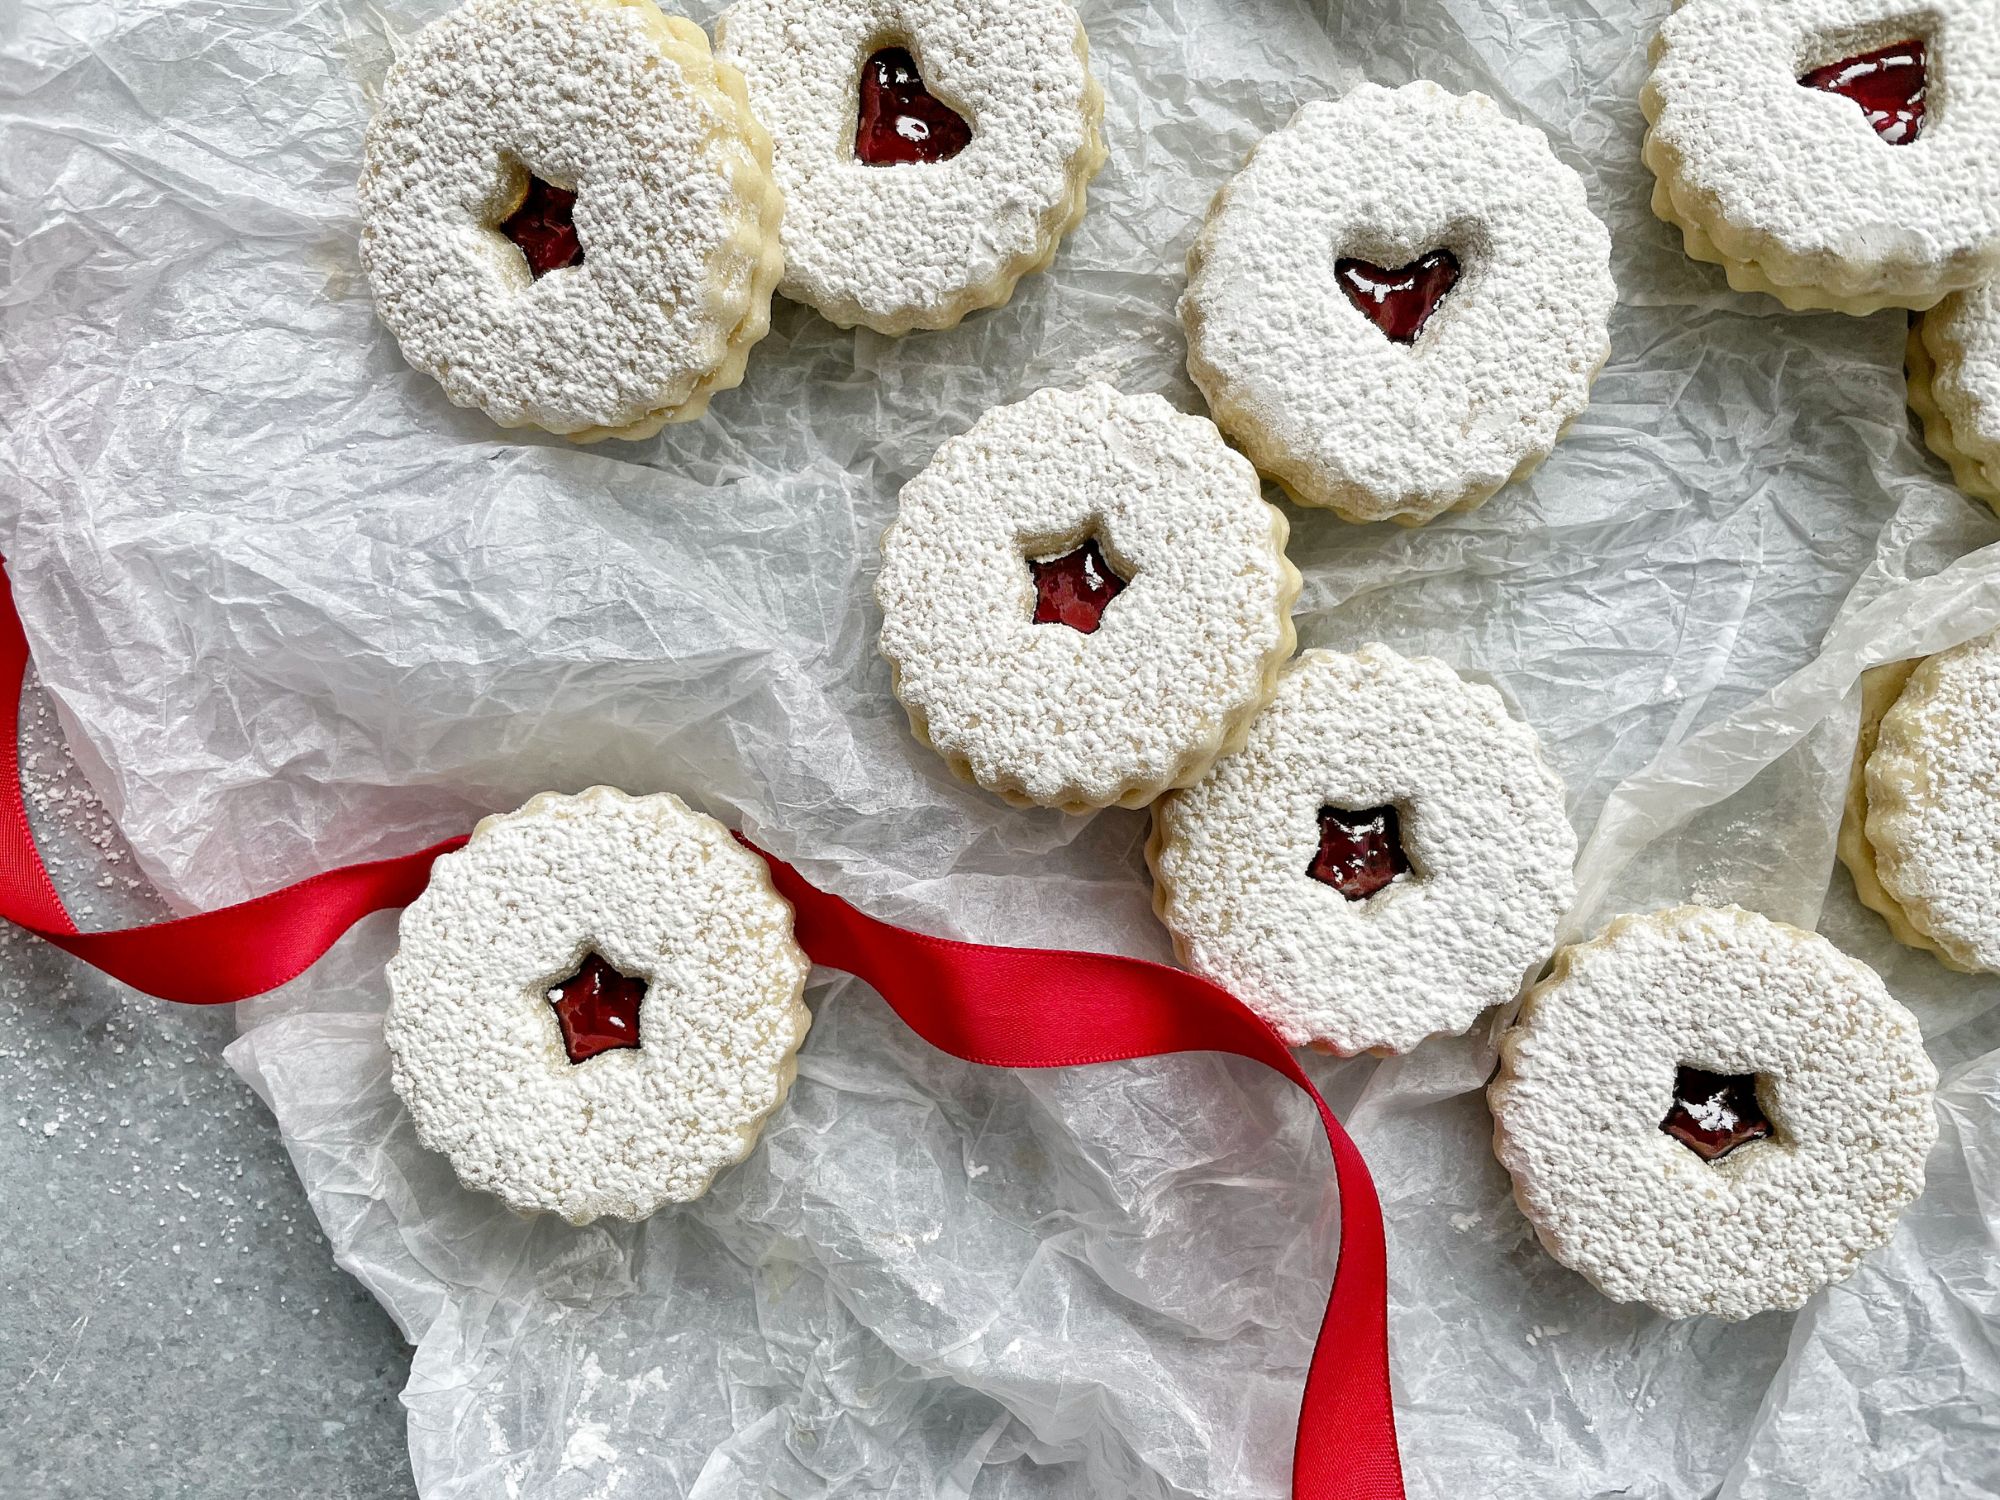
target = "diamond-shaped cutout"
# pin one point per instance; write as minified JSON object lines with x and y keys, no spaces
{"x":1399,"y":300}
{"x":902,"y":121}
{"x":1360,"y":853}
{"x":1889,"y":83}
{"x":544,"y":228}
{"x":1715,"y":1113}
{"x":598,"y":1009}
{"x":1075,"y":588}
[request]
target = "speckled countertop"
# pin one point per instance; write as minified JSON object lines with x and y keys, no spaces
{"x":173,"y":1324}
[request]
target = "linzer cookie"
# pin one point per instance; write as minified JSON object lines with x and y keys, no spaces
{"x":596,"y":1003}
{"x":1921,"y":834}
{"x":1712,"y":1112}
{"x":1085,"y":599}
{"x":932,"y":152}
{"x":1399,"y":303}
{"x":1834,"y":153}
{"x":1954,"y":370}
{"x":567,"y":215}
{"x":1385,"y":857}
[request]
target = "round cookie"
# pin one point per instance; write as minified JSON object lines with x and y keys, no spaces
{"x":1836,"y":154}
{"x":567,"y":215}
{"x":1954,"y":370}
{"x":595,"y":1004}
{"x":1399,"y":303}
{"x":932,"y":152}
{"x":1712,"y":1112}
{"x":1385,"y":857}
{"x":1922,"y":828}
{"x":1085,"y":599}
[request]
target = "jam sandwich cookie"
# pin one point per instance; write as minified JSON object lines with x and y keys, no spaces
{"x":595,"y":1004}
{"x":1085,"y":599}
{"x":932,"y":152}
{"x":1836,"y":154}
{"x":568,"y":216}
{"x":1954,"y":368}
{"x":1712,"y":1112}
{"x":1385,"y":857}
{"x":1921,"y":834}
{"x":1399,"y":303}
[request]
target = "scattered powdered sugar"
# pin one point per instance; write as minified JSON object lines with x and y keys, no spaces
{"x":1794,"y":181}
{"x":1588,"y":1075}
{"x":1934,"y":802}
{"x":674,"y":208}
{"x":1314,"y":390}
{"x":660,"y":892}
{"x":1183,"y":656}
{"x":919,"y":245}
{"x":1482,"y":821}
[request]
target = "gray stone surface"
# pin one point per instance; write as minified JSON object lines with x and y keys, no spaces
{"x":171,"y":1321}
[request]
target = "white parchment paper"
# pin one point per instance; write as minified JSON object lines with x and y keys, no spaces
{"x":297,"y":609}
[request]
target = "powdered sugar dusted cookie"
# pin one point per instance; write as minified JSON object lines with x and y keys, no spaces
{"x":1085,"y":599}
{"x":1385,"y":857}
{"x":595,"y":1004}
{"x":1834,"y":153}
{"x":567,"y":215}
{"x":1399,"y":303}
{"x":932,"y":152}
{"x":1954,"y":368}
{"x":1922,"y":831}
{"x":1712,"y":1112}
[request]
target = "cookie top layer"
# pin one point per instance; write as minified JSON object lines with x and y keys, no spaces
{"x":1934,"y":802}
{"x":1321,"y":396}
{"x":1962,"y":338}
{"x":660,"y":894}
{"x":1796,"y":179}
{"x":674,"y":210}
{"x":1485,"y":855}
{"x":1113,"y":700}
{"x":1587,"y":1084}
{"x":920,"y":244}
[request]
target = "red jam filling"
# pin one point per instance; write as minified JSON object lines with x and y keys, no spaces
{"x":541,"y":226}
{"x":901,"y":120}
{"x":1714,"y":1113}
{"x":1359,"y":852}
{"x":1398,"y":300}
{"x":1887,"y":83}
{"x":1075,"y":589}
{"x":598,"y":1009}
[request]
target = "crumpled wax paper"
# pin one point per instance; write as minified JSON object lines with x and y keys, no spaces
{"x":298,"y":610}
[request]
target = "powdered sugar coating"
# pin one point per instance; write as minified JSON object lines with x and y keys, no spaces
{"x":675,"y":209}
{"x":1954,"y":369}
{"x":1933,"y":787}
{"x":1317,"y":395}
{"x":919,"y":245}
{"x":1182,"y":658}
{"x":662,"y":893}
{"x":1790,"y":188}
{"x":1482,"y":818}
{"x":1587,"y":1076}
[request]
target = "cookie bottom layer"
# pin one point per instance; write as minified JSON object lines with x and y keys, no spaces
{"x":1970,"y":474}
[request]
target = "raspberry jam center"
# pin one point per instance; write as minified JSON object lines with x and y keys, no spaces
{"x":1887,"y":83}
{"x":598,"y":1009}
{"x":1075,"y":589}
{"x":1398,"y":300}
{"x":1714,"y":1113}
{"x":1359,"y":852}
{"x":901,"y":120}
{"x":542,"y":226}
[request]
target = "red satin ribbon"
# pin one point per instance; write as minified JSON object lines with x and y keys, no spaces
{"x":1005,"y":1007}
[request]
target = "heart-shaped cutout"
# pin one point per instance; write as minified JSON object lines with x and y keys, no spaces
{"x":1398,"y":300}
{"x":1888,"y":84}
{"x":901,"y":120}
